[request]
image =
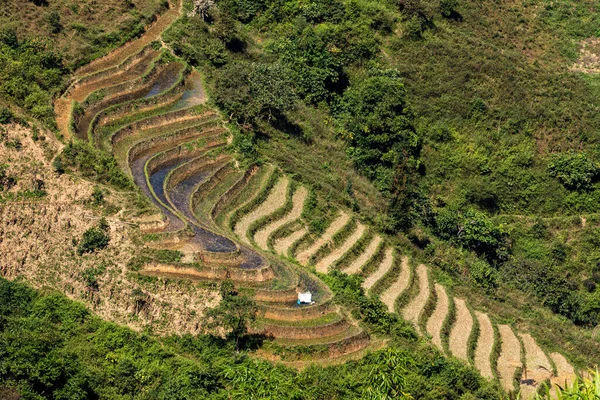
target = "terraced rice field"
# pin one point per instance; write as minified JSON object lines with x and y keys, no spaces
{"x":226,"y":220}
{"x":152,"y":116}
{"x":335,"y":226}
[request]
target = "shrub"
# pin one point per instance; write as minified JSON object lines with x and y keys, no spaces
{"x":6,"y":116}
{"x":573,"y":170}
{"x":93,"y":239}
{"x":473,"y":230}
{"x":92,"y":163}
{"x":448,"y":8}
{"x":53,"y":21}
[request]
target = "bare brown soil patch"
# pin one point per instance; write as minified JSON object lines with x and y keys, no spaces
{"x":36,"y":244}
{"x":324,"y":264}
{"x":485,"y":344}
{"x":262,"y":236}
{"x":510,"y":357}
{"x":461,"y":331}
{"x":436,"y":321}
{"x":398,"y":287}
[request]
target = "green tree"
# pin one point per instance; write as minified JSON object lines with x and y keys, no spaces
{"x":448,"y":8}
{"x":574,"y":170}
{"x":234,"y":313}
{"x":93,"y":239}
{"x":254,"y":91}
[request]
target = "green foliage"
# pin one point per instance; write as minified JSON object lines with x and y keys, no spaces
{"x":97,"y":196}
{"x":53,"y":21}
{"x":553,"y":288}
{"x":30,"y":74}
{"x":314,"y":70}
{"x":580,"y":389}
{"x":92,"y":163}
{"x":484,"y":276}
{"x":378,"y":126}
{"x":90,"y":276}
{"x":349,"y":292}
{"x":6,"y":116}
{"x":233,"y":314}
{"x":448,"y":7}
{"x":52,"y":347}
{"x":191,"y":40}
{"x":6,"y":180}
{"x":473,"y":230}
{"x":94,"y":238}
{"x":250,"y":92}
{"x":574,"y":170}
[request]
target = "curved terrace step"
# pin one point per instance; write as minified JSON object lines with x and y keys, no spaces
{"x":383,"y":268}
{"x":398,"y":287}
{"x":356,"y":265}
{"x":537,"y":366}
{"x":324,"y":264}
{"x":509,"y":360}
{"x":342,"y":219}
{"x":275,"y":200}
{"x":485,"y":345}
{"x":458,"y":340}
{"x":119,"y":55}
{"x":133,"y":90}
{"x":436,"y":320}
{"x":282,"y":246}
{"x":415,"y":307}
{"x":298,"y":198}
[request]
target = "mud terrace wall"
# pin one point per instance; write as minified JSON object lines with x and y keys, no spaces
{"x":208,"y":272}
{"x":299,"y":332}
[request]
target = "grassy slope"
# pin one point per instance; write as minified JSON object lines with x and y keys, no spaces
{"x":89,"y":29}
{"x":512,"y":58}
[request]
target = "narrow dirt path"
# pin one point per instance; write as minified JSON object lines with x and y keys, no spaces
{"x":510,"y":357}
{"x":485,"y":344}
{"x":389,"y":296}
{"x":262,"y":236}
{"x":275,"y":200}
{"x":282,"y":246}
{"x":413,"y":310}
{"x":335,"y":226}
{"x":436,"y":321}
{"x":386,"y":264}
{"x":461,"y":330}
{"x":324,"y":264}
{"x":365,"y":256}
{"x":537,"y":367}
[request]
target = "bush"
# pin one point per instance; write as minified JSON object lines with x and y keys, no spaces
{"x":448,"y":8}
{"x":6,"y":116}
{"x":473,"y":230}
{"x":92,"y":163}
{"x":93,"y":239}
{"x":574,"y":170}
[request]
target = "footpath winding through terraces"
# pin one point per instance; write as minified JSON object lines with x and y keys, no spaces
{"x":231,"y":223}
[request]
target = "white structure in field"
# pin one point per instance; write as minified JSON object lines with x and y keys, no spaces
{"x":304,"y":298}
